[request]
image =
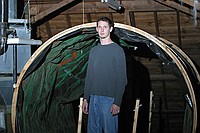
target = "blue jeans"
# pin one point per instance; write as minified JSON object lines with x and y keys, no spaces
{"x":100,"y":117}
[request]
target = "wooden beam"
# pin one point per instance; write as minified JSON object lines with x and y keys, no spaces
{"x":68,"y":19}
{"x":127,"y":17}
{"x":179,"y":29}
{"x":111,"y":15}
{"x":132,"y":18}
{"x":48,"y":28}
{"x":177,"y":6}
{"x":53,"y":9}
{"x":89,"y":18}
{"x":156,"y":23}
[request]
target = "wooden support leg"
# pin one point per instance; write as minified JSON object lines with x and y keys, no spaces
{"x":137,"y":105}
{"x":150,"y":109}
{"x":80,"y":116}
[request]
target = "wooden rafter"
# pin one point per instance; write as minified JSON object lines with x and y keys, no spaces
{"x":53,"y":9}
{"x":177,"y":6}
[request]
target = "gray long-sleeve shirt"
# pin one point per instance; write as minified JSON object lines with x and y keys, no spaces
{"x":106,"y":72}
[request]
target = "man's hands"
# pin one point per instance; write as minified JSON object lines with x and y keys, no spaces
{"x":115,"y":109}
{"x":85,"y":106}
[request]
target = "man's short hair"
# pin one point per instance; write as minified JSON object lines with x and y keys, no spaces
{"x":106,"y":19}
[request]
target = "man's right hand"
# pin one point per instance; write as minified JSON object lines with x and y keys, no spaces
{"x":85,"y":106}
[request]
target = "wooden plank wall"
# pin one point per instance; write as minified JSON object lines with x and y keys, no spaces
{"x":149,"y":16}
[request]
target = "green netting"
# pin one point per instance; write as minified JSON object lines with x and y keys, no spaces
{"x":46,"y":100}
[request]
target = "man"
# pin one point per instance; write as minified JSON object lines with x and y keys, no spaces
{"x":105,"y":81}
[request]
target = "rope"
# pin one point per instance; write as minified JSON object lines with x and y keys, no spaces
{"x":83,"y":11}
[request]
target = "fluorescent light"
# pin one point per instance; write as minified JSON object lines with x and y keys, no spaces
{"x":13,"y":41}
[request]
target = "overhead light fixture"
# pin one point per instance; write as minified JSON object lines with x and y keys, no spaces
{"x":113,"y":4}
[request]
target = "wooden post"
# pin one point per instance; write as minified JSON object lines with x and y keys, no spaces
{"x":80,"y":116}
{"x":137,"y":105}
{"x":150,"y":109}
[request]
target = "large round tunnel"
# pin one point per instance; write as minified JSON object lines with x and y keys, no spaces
{"x":54,"y":75}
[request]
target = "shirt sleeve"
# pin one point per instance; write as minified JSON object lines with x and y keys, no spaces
{"x":121,"y":74}
{"x":88,"y":79}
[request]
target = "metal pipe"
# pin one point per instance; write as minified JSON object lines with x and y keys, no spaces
{"x":3,"y":26}
{"x":14,"y":64}
{"x":3,"y":37}
{"x":4,"y":11}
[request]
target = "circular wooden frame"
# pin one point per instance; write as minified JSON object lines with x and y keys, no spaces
{"x":158,"y":41}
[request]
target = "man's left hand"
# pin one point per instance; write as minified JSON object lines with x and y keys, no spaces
{"x":115,"y":109}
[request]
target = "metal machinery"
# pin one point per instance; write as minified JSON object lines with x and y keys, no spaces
{"x":15,"y":50}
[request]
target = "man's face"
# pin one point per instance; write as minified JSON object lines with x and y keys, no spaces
{"x":103,"y":29}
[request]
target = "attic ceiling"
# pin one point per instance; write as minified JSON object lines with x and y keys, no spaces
{"x":185,"y":6}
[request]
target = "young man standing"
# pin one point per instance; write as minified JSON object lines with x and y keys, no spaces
{"x":105,"y":81}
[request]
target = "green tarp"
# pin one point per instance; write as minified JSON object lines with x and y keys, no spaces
{"x":50,"y":87}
